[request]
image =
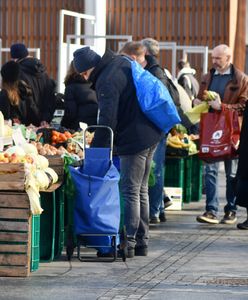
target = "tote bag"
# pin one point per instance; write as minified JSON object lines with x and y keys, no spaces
{"x":154,"y":98}
{"x":219,"y":135}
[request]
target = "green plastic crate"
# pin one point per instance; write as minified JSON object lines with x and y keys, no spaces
{"x":35,"y":243}
{"x":47,"y":226}
{"x":187,"y":190}
{"x":60,"y":224}
{"x":174,"y":172}
{"x":197,"y":170}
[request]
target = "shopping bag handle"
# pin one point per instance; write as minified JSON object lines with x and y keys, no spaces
{"x":111,"y":135}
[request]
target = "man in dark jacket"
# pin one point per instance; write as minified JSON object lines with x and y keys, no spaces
{"x":43,"y":88}
{"x":156,"y":193}
{"x":135,"y":136}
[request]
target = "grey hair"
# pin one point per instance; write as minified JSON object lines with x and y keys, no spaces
{"x":151,"y":45}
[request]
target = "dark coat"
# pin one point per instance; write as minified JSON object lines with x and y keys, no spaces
{"x":80,"y":103}
{"x":242,"y":173}
{"x":119,"y":107}
{"x":23,"y":111}
{"x":154,"y":68}
{"x":43,"y":88}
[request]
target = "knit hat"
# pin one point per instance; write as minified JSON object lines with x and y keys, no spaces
{"x":18,"y":51}
{"x":10,"y":71}
{"x":85,"y":59}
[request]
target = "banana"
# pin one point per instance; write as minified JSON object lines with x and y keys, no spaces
{"x":209,"y":95}
{"x":175,"y":140}
{"x":169,"y":143}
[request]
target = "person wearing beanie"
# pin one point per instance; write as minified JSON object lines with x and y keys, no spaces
{"x":14,"y":94}
{"x":135,"y":136}
{"x":85,"y":59}
{"x":33,"y":72}
{"x":18,"y":51}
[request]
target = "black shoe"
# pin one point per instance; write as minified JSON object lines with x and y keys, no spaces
{"x":243,"y":225}
{"x":167,"y":202}
{"x":229,"y":218}
{"x":207,"y":217}
{"x":154,"y":220}
{"x":141,"y":251}
{"x":162,"y":217}
{"x":130,"y":252}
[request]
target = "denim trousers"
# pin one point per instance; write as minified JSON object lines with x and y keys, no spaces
{"x":135,"y":171}
{"x":211,"y":184}
{"x":156,"y":192}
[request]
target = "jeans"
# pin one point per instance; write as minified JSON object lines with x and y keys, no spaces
{"x":156,"y":192}
{"x":211,"y":184}
{"x":135,"y":171}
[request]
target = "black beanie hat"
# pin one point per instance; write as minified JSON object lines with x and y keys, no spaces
{"x":85,"y":59}
{"x":10,"y":71}
{"x":18,"y":51}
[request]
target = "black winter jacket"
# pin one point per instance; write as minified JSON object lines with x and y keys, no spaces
{"x":43,"y":88}
{"x":119,"y":107}
{"x":21,"y":112}
{"x":80,"y":103}
{"x":154,"y":68}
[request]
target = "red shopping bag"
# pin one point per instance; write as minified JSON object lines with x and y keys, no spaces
{"x":219,"y":135}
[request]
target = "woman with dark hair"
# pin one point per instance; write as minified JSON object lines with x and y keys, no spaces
{"x":80,"y":101}
{"x":242,"y":173}
{"x":15,"y":96}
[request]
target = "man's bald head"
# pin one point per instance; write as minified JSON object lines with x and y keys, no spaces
{"x":221,"y":57}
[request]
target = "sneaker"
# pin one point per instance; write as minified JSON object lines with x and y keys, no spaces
{"x":243,"y":225}
{"x":207,"y":217}
{"x":229,"y":218}
{"x":162,"y":217}
{"x":154,"y":220}
{"x":167,"y":202}
{"x":141,"y":251}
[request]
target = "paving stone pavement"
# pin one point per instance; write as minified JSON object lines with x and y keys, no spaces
{"x":186,"y":260}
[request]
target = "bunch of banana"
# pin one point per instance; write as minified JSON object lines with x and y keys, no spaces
{"x":175,"y":142}
{"x":209,"y":95}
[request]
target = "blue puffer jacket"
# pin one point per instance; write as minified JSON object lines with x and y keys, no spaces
{"x":119,"y":107}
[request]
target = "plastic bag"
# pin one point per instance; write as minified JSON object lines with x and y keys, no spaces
{"x":194,"y":114}
{"x":154,"y":99}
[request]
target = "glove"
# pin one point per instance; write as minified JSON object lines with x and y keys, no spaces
{"x":216,"y":103}
{"x":196,"y":102}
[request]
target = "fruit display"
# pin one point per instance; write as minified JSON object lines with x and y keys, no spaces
{"x":178,"y":139}
{"x":60,"y":137}
{"x":38,"y":175}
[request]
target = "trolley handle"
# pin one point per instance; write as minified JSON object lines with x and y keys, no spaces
{"x":111,"y":135}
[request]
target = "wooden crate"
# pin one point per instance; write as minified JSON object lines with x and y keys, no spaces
{"x":12,"y":177}
{"x":15,"y":234}
{"x":56,"y":163}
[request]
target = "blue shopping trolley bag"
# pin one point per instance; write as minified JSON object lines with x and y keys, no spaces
{"x":97,"y":200}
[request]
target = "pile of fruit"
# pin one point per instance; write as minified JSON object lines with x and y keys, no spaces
{"x":179,"y":139}
{"x":60,"y":137}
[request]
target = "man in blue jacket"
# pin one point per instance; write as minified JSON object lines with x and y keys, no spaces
{"x":135,"y":136}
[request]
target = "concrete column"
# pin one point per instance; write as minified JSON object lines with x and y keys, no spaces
{"x":98,"y":9}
